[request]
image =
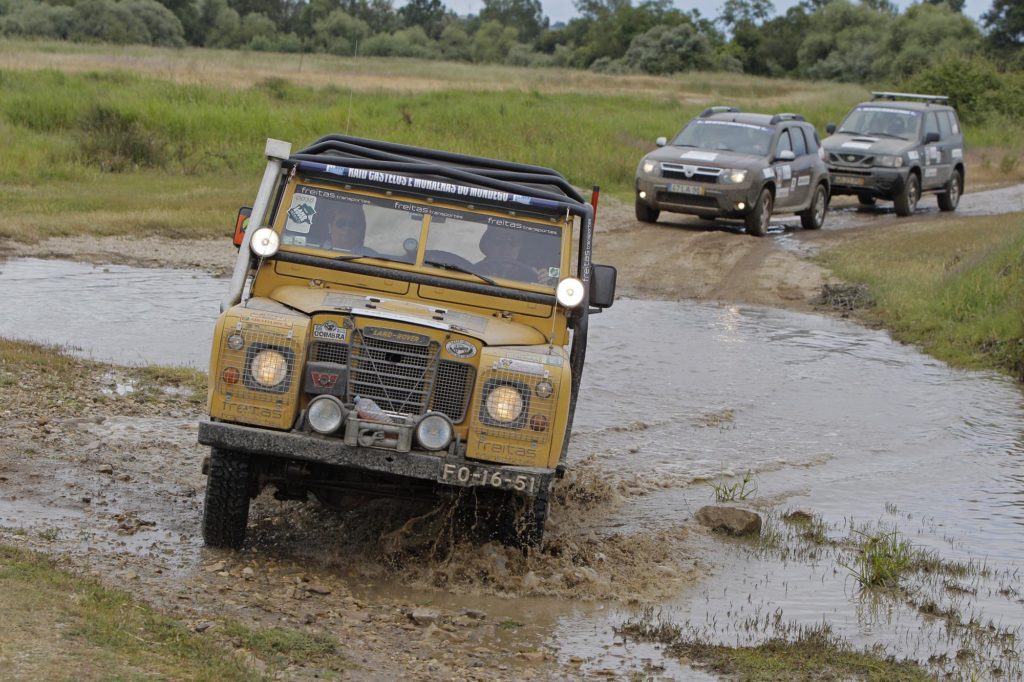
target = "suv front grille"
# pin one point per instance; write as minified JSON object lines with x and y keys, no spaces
{"x":454,"y":386}
{"x":398,"y":376}
{"x":696,"y":173}
{"x":687,"y":200}
{"x":329,"y":351}
{"x":851,"y":159}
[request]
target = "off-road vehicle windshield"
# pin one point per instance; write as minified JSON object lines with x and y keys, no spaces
{"x":353,"y":225}
{"x":743,"y":138}
{"x":883,"y":121}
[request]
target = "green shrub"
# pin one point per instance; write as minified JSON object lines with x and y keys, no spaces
{"x":116,"y":142}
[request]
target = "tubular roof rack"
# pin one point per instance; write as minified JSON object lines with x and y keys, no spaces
{"x":718,"y":110}
{"x":786,"y":117}
{"x":892,"y":96}
{"x":532,"y":185}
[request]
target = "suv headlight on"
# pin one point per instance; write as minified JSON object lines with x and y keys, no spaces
{"x":889,"y":161}
{"x":733,"y":176}
{"x":648,"y":166}
{"x":505,"y":404}
{"x":268,"y":368}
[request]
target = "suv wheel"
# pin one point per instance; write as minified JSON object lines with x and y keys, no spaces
{"x":645,"y":213}
{"x":906,"y":201}
{"x":519,"y":521}
{"x":758,"y":219}
{"x":949,"y":199}
{"x":814,"y":217}
{"x":226,"y":507}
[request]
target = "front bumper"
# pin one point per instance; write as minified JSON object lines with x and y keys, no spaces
{"x":440,"y":468}
{"x":699,"y":199}
{"x":880,"y":182}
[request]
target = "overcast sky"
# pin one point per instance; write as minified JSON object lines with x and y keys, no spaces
{"x":563,"y":10}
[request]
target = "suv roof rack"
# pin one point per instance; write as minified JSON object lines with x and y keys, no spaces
{"x":892,"y":96}
{"x":718,"y":110}
{"x":786,"y":117}
{"x":338,"y":155}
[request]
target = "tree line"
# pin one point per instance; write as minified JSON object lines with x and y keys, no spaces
{"x":863,"y":41}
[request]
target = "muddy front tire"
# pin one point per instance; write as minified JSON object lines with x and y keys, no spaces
{"x":645,"y":213}
{"x":814,"y":217}
{"x":517,"y":521}
{"x":757,"y":220}
{"x":226,"y":506}
{"x":906,"y":201}
{"x":950,"y":198}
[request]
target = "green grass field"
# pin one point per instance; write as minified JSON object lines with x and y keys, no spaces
{"x":955,"y":287}
{"x":129,"y":140}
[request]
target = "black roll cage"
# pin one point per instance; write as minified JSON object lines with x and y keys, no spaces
{"x":527,"y":188}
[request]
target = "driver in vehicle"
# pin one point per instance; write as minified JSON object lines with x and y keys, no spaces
{"x":504,"y":256}
{"x":346,"y":230}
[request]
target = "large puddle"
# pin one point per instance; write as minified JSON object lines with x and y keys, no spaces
{"x":827,"y":417}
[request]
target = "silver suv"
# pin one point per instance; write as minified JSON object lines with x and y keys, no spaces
{"x":729,"y":164}
{"x":896,"y":147}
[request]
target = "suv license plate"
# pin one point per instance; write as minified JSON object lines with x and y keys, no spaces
{"x":470,"y":475}
{"x":678,"y":188}
{"x":848,"y":180}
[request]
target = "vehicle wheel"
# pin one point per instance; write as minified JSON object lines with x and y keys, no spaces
{"x":226,"y":507}
{"x":906,"y":201}
{"x":866,"y":200}
{"x":949,"y":199}
{"x":814,"y":217}
{"x":758,"y":220}
{"x":520,"y":521}
{"x":645,"y":213}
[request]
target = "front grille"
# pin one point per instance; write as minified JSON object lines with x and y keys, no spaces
{"x":851,"y":159}
{"x":329,"y":351}
{"x":691,"y":173}
{"x":399,"y":377}
{"x":687,"y":200}
{"x":454,"y":386}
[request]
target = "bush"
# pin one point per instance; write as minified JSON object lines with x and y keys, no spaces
{"x":116,"y":142}
{"x":971,"y":83}
{"x":669,"y":49}
{"x":409,"y":42}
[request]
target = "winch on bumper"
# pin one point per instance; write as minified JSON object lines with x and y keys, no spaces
{"x":444,"y":468}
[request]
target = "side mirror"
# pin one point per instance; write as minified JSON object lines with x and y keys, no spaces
{"x":241,"y":224}
{"x":602,"y":286}
{"x":661,"y":141}
{"x":931,"y":137}
{"x":785,"y":155}
{"x":830,"y":128}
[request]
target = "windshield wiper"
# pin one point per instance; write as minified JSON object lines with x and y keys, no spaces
{"x":348,"y":257}
{"x":459,"y":268}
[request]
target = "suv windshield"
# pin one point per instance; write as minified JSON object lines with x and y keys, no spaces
{"x":883,"y":121}
{"x":354,"y":225}
{"x":744,"y":138}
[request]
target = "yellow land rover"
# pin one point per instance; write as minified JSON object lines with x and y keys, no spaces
{"x":401,"y":322}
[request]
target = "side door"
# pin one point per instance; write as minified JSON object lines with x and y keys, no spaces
{"x":785,"y":178}
{"x":803,"y":166}
{"x":952,"y":141}
{"x":935,"y":168}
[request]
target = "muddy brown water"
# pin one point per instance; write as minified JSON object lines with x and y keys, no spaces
{"x":827,"y":416}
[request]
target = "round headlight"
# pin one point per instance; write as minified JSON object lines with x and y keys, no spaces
{"x":434,"y":432}
{"x":325,"y":414}
{"x":504,"y":404}
{"x":264,"y":242}
{"x":236,"y":341}
{"x":269,"y":368}
{"x":544,"y":389}
{"x":569,"y":292}
{"x":648,"y":166}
